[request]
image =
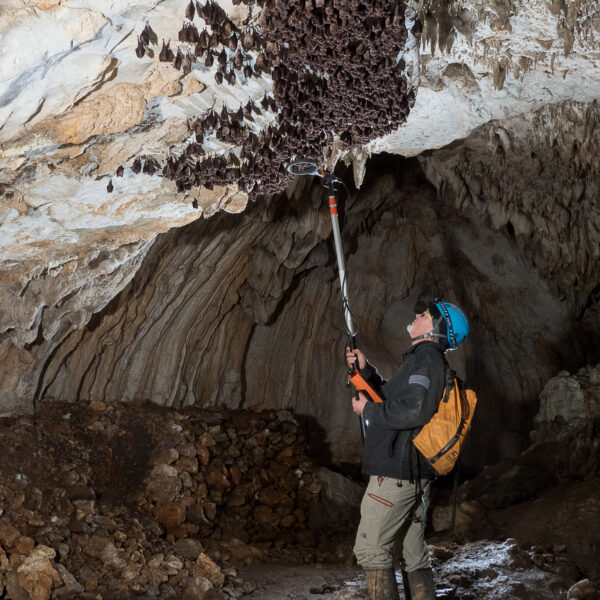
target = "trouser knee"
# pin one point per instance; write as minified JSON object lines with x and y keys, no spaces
{"x":373,"y":558}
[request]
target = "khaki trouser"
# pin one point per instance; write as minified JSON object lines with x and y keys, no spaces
{"x":387,"y":509}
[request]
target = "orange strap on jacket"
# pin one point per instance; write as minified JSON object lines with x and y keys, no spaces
{"x":361,"y":385}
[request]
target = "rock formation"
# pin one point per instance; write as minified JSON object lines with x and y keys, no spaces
{"x":102,"y":502}
{"x":120,"y":125}
{"x":255,"y":319}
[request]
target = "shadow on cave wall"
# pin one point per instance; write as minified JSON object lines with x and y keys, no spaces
{"x":244,"y":310}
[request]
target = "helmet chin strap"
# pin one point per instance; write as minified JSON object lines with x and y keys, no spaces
{"x":428,"y":335}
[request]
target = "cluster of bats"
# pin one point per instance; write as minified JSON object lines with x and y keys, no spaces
{"x":252,"y":153}
{"x":211,"y":44}
{"x":353,"y":88}
{"x":327,"y":85}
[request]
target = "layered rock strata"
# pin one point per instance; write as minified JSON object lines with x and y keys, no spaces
{"x":88,"y":127}
{"x":78,"y":106}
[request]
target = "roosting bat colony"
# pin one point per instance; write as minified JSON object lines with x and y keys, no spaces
{"x":326,"y":87}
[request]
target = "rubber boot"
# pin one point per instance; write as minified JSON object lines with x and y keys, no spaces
{"x":420,"y":585}
{"x":381,"y":584}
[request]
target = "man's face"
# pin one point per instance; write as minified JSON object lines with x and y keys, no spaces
{"x":423,"y":323}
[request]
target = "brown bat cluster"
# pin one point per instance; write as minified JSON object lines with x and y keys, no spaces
{"x":254,"y":154}
{"x":340,"y":76}
{"x":146,"y":38}
{"x":335,"y":76}
{"x":209,"y":45}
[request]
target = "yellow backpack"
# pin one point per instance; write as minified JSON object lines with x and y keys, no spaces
{"x":440,"y":441}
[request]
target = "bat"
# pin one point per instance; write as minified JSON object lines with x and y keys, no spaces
{"x":178,"y":59}
{"x":140,"y":50}
{"x":190,"y":11}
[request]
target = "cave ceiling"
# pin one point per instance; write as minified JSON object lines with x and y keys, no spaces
{"x":125,"y":120}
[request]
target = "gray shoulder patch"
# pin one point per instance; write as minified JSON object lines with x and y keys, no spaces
{"x":420,"y":380}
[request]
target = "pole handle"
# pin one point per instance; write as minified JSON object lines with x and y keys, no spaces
{"x":352,"y":344}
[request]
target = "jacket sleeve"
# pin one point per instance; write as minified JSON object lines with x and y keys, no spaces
{"x":412,"y":401}
{"x":372,"y":376}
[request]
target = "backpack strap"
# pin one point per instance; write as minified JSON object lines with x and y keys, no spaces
{"x":415,"y":467}
{"x":414,"y":462}
{"x":450,"y":376}
{"x":463,"y":420}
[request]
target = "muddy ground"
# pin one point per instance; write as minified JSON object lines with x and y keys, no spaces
{"x":484,"y":570}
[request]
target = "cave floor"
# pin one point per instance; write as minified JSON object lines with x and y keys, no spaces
{"x":97,"y":503}
{"x":482,"y":570}
{"x":303,"y":582}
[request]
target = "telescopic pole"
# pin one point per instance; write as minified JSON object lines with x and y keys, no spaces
{"x":337,"y":239}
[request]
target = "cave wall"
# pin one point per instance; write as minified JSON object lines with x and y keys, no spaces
{"x":95,"y":143}
{"x":538,"y":176}
{"x":244,"y":310}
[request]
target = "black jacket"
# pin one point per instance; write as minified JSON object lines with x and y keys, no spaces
{"x":410,"y":398}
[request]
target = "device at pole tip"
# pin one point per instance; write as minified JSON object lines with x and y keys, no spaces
{"x":305,"y":166}
{"x":308,"y":166}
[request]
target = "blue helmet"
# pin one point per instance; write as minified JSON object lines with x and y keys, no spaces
{"x":455,"y":326}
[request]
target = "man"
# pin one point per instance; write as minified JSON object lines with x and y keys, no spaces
{"x":399,"y":474}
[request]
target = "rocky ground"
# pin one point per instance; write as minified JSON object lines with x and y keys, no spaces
{"x":103,"y":501}
{"x":114,"y":502}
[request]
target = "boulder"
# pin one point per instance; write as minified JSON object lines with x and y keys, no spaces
{"x":171,"y":515}
{"x":14,"y":590}
{"x":104,"y":549}
{"x":196,"y":588}
{"x":37,"y":575}
{"x":207,"y":568}
{"x":70,"y":586}
{"x":470,"y":522}
{"x":567,"y":402}
{"x":582,"y":590}
{"x":337,"y":500}
{"x":189,"y":548}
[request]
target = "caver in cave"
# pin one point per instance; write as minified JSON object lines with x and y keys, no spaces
{"x":395,"y":501}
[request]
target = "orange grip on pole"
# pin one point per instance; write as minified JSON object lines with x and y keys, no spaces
{"x":332,"y":206}
{"x":361,"y":385}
